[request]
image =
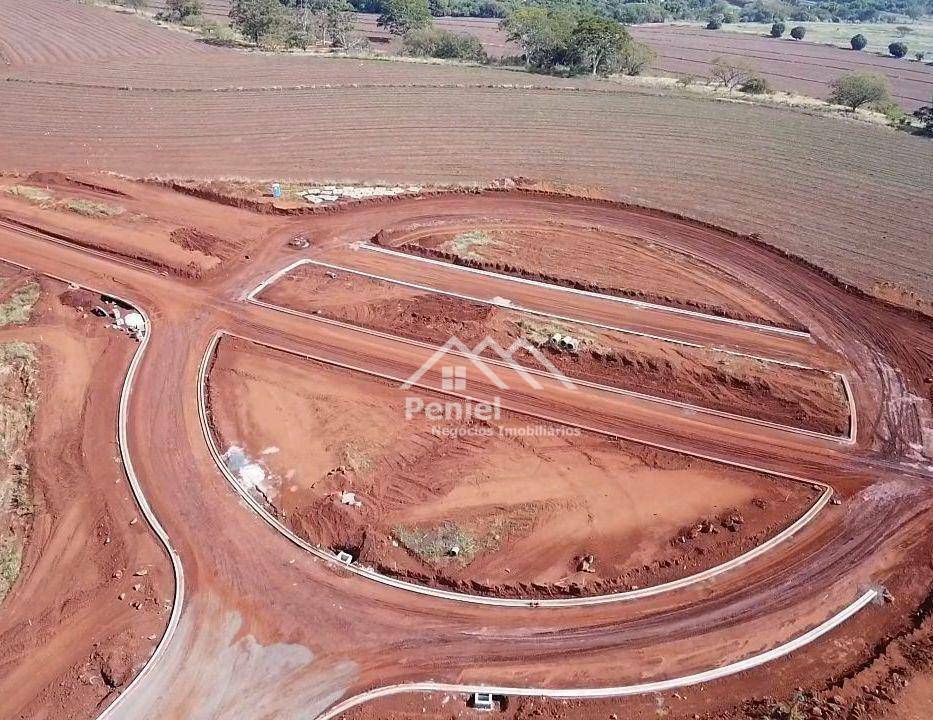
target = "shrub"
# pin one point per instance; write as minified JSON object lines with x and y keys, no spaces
{"x":714,"y":23}
{"x":639,"y":13}
{"x":755,"y":85}
{"x":181,"y":10}
{"x":858,"y":42}
{"x":897,"y":49}
{"x":731,"y":73}
{"x":894,"y":113}
{"x":860,"y":89}
{"x":919,"y":55}
{"x":798,"y":32}
{"x":439,"y":43}
{"x":924,"y":115}
{"x":777,"y":30}
{"x":218,"y":33}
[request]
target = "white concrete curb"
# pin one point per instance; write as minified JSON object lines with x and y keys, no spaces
{"x":847,"y":439}
{"x":622,"y":690}
{"x":161,"y":534}
{"x":787,"y":533}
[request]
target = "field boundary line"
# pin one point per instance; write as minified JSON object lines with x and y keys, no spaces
{"x":624,"y":690}
{"x":788,"y":532}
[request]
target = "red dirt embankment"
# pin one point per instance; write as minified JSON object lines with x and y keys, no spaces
{"x":135,"y":221}
{"x":94,"y":591}
{"x":525,"y":506}
{"x":784,"y":394}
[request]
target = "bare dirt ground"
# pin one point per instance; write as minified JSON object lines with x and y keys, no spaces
{"x":802,"y":67}
{"x":136,"y":221}
{"x":523,"y":510}
{"x":266,"y":629}
{"x":639,"y":264}
{"x":863,"y":215}
{"x":89,"y":602}
{"x":811,"y":399}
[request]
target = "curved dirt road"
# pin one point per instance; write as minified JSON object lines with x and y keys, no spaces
{"x":266,"y":630}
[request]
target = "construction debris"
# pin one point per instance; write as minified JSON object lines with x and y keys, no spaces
{"x":333,"y":193}
{"x":565,"y":342}
{"x":349,"y":498}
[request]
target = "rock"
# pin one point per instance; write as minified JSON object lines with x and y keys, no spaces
{"x":121,"y":596}
{"x":586,"y":564}
{"x":141,"y":572}
{"x":118,"y":574}
{"x":137,"y":587}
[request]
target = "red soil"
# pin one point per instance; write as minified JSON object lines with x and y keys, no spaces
{"x":256,"y":607}
{"x":534,"y":506}
{"x":802,"y":67}
{"x":71,"y":632}
{"x":144,"y":226}
{"x":813,"y":400}
{"x":639,"y":263}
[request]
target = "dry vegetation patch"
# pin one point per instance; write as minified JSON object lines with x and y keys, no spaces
{"x":18,"y":398}
{"x":18,"y":308}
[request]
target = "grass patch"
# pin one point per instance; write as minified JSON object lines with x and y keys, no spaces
{"x":540,"y":332}
{"x":18,"y":308}
{"x":18,"y":373}
{"x":18,"y":400}
{"x":30,"y":193}
{"x":356,"y":459}
{"x":11,"y":560}
{"x":433,"y":544}
{"x":466,"y":244}
{"x":89,"y":208}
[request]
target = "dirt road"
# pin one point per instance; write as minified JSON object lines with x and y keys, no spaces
{"x":267,"y":630}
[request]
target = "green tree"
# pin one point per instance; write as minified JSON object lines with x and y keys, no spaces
{"x":858,"y":42}
{"x":715,"y":23}
{"x":638,"y":57}
{"x":897,"y":49}
{"x":858,"y":89}
{"x":798,"y":33}
{"x":600,"y":44}
{"x":258,"y":19}
{"x":777,"y":29}
{"x":437,"y":42}
{"x":402,"y":16}
{"x":338,"y":23}
{"x":755,"y":85}
{"x":543,"y":34}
